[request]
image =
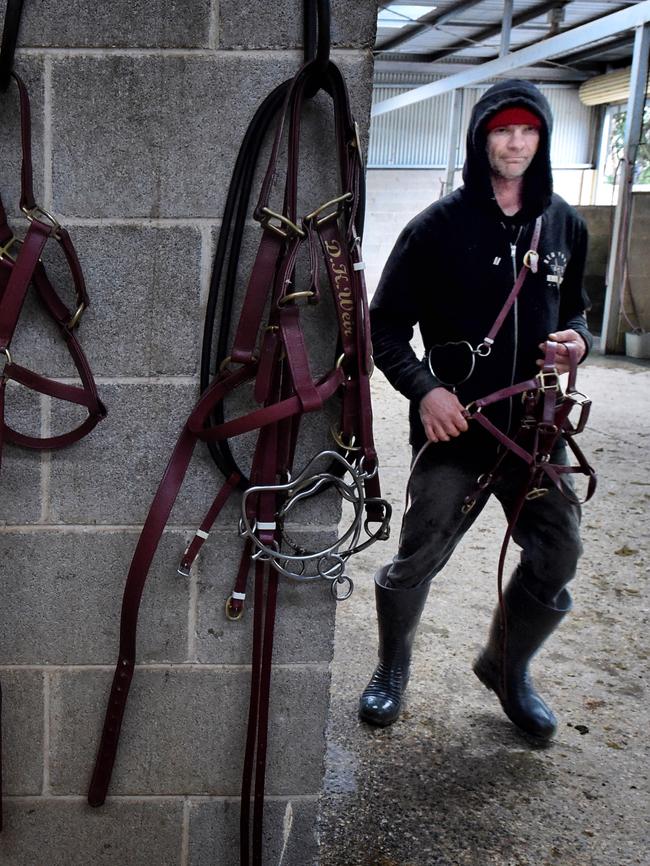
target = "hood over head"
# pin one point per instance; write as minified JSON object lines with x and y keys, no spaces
{"x":538,"y":180}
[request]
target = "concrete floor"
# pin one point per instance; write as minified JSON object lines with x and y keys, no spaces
{"x":452,"y":783}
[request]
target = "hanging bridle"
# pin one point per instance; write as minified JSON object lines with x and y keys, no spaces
{"x":21,"y":266}
{"x":270,"y":352}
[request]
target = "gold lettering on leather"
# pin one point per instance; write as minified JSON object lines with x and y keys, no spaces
{"x":333,"y":248}
{"x":342,"y":285}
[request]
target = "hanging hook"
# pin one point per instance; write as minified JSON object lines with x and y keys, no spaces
{"x":9,"y":39}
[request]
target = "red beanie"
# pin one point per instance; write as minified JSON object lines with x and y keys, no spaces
{"x":511,"y":116}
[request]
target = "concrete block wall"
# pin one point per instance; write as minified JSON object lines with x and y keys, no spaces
{"x":138,"y":111}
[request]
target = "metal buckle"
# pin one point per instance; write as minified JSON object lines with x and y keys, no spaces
{"x":7,"y":361}
{"x":286,"y":229}
{"x":74,"y":321}
{"x":338,"y":438}
{"x":543,"y":375}
{"x":339,"y":202}
{"x":296,"y":296}
{"x":37,"y":212}
{"x":5,"y":248}
{"x":536,"y":493}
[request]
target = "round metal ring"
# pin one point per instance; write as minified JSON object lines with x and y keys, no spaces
{"x":233,"y":617}
{"x":346,"y":593}
{"x":294,"y":296}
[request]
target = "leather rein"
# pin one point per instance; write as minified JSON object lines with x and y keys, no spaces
{"x":269,"y":351}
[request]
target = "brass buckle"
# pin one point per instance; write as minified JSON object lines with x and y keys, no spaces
{"x":233,"y":617}
{"x":5,"y":248}
{"x":295,"y":296}
{"x":74,"y":321}
{"x":338,"y":438}
{"x":286,"y":229}
{"x":37,"y":213}
{"x":7,"y":355}
{"x":536,"y":493}
{"x":339,"y":202}
{"x":543,"y":375}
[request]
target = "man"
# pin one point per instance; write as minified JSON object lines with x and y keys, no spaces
{"x":450,"y":272}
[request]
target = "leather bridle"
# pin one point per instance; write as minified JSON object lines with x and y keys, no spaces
{"x":21,"y":265}
{"x":270,"y":352}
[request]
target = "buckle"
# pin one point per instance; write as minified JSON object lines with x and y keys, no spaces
{"x":7,"y":361}
{"x":339,"y":202}
{"x":41,"y":215}
{"x":286,"y":227}
{"x":6,"y":247}
{"x":536,"y":493}
{"x":296,"y":296}
{"x":74,"y":321}
{"x":338,"y":438}
{"x":543,"y":375}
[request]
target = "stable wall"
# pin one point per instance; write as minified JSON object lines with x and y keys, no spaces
{"x":138,"y":113}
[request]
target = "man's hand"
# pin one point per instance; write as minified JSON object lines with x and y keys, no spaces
{"x":441,"y":413}
{"x":562,"y":355}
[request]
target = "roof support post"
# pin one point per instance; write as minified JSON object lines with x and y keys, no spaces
{"x":506,"y":27}
{"x":454,"y":136}
{"x":612,"y":336}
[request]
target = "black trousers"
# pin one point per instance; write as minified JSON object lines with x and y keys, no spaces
{"x":547,"y":530}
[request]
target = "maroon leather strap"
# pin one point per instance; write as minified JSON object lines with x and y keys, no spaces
{"x":530,"y":263}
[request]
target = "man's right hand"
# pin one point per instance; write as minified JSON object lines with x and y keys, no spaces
{"x":441,"y":414}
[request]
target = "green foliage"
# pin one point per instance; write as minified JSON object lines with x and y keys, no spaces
{"x":615,"y":149}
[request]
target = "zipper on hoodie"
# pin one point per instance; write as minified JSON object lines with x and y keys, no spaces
{"x":515,"y":313}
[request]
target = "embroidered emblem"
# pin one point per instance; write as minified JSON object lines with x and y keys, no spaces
{"x":556,"y":265}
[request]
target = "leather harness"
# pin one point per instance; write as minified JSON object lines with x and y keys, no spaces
{"x":270,"y":352}
{"x":21,"y":266}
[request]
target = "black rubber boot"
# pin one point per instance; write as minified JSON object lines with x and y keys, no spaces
{"x":398,"y":615}
{"x":529,"y":623}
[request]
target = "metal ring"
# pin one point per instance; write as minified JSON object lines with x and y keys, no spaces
{"x":346,"y":593}
{"x":7,"y":355}
{"x":233,"y":617}
{"x":483,"y":349}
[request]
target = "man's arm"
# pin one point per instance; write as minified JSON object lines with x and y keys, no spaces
{"x":393,"y":314}
{"x":572,"y":321}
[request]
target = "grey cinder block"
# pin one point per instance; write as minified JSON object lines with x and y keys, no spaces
{"x":159,"y":150}
{"x":22,"y":731}
{"x":20,"y":475}
{"x":144,"y":318}
{"x":120,"y":23}
{"x":280,"y":24}
{"x":65,"y":608}
{"x":184,"y":731}
{"x":51,"y":832}
{"x":289,"y":833}
{"x":305,"y":618}
{"x":30,"y":70}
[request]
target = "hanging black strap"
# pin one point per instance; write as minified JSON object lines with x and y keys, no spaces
{"x":9,"y":40}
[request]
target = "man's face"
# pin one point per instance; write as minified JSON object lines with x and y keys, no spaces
{"x":510,"y":149}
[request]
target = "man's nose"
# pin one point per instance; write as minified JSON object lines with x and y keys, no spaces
{"x":516,"y":139}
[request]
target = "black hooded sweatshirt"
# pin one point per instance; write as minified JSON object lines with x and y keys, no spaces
{"x":454,"y":265}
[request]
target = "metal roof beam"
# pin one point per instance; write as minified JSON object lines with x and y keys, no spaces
{"x":492,"y":30}
{"x":570,"y":40}
{"x":424,"y":23}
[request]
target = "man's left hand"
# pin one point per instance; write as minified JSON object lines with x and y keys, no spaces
{"x":562,"y":338}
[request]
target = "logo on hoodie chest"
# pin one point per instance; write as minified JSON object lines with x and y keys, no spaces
{"x":555,"y":263}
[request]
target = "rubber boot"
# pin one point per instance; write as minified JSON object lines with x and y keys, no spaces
{"x":398,"y":615}
{"x":529,"y":623}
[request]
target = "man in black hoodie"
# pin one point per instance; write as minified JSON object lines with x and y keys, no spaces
{"x":450,"y":272}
